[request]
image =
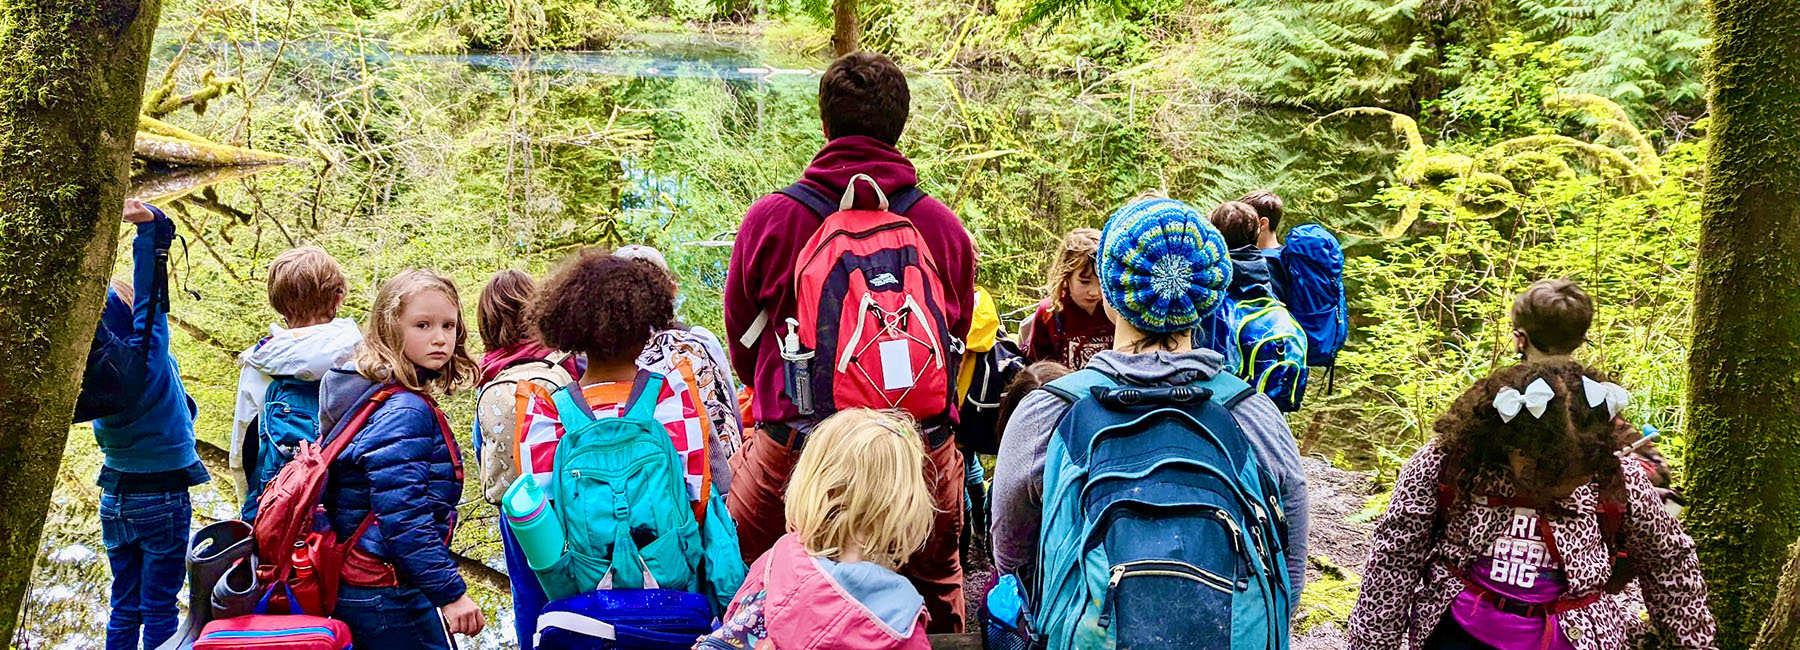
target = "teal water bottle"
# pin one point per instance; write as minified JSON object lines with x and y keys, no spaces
{"x":533,"y":522}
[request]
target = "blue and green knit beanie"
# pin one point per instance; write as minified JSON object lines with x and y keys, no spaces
{"x":1162,"y":265}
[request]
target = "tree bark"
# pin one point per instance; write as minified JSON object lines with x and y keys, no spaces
{"x":1744,"y":369}
{"x":71,"y":78}
{"x":1782,"y":629}
{"x":845,"y":34}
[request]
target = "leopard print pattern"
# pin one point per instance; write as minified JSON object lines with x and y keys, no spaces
{"x":1407,"y":590}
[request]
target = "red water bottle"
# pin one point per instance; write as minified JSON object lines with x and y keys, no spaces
{"x":304,"y":583}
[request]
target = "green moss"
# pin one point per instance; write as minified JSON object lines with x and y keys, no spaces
{"x":1329,"y":599}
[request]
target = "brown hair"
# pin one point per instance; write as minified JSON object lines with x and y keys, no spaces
{"x":1031,"y":378}
{"x":382,"y":357}
{"x":1569,"y":440}
{"x":501,"y":312}
{"x":1267,"y":206}
{"x":1078,"y":254}
{"x":604,"y":305}
{"x":1554,"y":315}
{"x":306,"y":284}
{"x":864,"y":93}
{"x":1237,"y":222}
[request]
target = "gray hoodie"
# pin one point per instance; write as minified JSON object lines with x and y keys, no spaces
{"x":1019,"y":472}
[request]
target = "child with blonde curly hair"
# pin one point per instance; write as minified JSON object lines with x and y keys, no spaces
{"x":857,"y":507}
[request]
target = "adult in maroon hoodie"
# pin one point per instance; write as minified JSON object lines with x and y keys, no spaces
{"x":863,"y":103}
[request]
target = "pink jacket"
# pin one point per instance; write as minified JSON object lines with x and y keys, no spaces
{"x":792,"y":601}
{"x":1406,"y":590}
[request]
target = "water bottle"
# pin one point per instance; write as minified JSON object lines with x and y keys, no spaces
{"x":799,"y":369}
{"x":534,"y":523}
{"x":303,"y":567}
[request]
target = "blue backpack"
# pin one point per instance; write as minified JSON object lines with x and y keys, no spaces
{"x":1313,"y":262}
{"x":1267,"y":347}
{"x":1161,"y":529}
{"x":290,"y":416}
{"x":624,"y":619}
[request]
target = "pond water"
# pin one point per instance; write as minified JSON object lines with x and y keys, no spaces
{"x":470,"y":164}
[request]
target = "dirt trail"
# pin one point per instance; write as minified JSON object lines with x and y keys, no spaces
{"x":1335,"y":496}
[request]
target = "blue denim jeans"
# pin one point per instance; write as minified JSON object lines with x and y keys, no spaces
{"x":391,"y":618}
{"x":146,"y":539}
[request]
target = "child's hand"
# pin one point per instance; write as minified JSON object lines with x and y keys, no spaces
{"x":463,"y":617}
{"x":138,"y":212}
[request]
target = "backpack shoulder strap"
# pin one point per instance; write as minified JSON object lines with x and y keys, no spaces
{"x":904,"y":200}
{"x":814,"y":200}
{"x":571,"y":405}
{"x":900,"y":203}
{"x":646,"y":390}
{"x":1074,"y":386}
{"x":1227,"y":389}
{"x":347,"y":429}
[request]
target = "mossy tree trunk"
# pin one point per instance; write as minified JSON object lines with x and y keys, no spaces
{"x":1782,"y":629}
{"x":71,"y":77}
{"x":845,"y":33}
{"x":1744,"y":370}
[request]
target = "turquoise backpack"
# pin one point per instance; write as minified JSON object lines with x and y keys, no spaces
{"x":622,"y":500}
{"x":1160,"y":528}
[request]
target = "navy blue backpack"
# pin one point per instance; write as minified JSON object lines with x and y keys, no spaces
{"x":1313,"y":261}
{"x":290,"y":416}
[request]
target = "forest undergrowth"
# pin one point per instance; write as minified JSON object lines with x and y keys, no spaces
{"x":1458,"y":161}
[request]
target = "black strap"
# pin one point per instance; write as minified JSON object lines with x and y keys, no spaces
{"x":820,"y":204}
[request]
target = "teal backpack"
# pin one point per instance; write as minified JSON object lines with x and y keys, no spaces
{"x":1161,"y":529}
{"x":620,"y":495}
{"x":1268,"y":349}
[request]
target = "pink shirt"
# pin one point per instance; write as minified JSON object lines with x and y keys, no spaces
{"x":1518,"y":567}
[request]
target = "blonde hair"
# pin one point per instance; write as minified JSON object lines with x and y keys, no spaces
{"x":305,"y":284}
{"x":860,"y":484}
{"x":381,"y":355}
{"x":1078,"y":251}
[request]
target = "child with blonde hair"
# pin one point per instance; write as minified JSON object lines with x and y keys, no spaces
{"x":395,"y":488}
{"x":1070,"y":325}
{"x":857,"y":507}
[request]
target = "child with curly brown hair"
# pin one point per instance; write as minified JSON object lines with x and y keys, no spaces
{"x":1524,"y":523}
{"x":607,"y":307}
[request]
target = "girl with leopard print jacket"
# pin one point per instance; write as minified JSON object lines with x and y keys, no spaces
{"x":1495,"y":538}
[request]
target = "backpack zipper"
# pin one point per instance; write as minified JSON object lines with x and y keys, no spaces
{"x":1188,"y":572}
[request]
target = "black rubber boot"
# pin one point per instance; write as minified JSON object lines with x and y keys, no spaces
{"x":211,"y":554}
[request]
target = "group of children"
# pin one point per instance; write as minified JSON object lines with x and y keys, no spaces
{"x":821,"y":520}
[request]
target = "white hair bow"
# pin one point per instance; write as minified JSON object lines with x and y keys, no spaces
{"x":1612,"y":395}
{"x":1536,"y":398}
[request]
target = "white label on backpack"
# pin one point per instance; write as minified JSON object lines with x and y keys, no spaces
{"x":896,"y":365}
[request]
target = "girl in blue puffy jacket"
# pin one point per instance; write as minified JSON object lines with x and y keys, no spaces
{"x":402,"y":473}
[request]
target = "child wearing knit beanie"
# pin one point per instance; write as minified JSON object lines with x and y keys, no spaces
{"x":1162,"y":266}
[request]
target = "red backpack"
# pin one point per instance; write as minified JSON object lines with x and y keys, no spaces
{"x":295,"y":548}
{"x":871,"y":328}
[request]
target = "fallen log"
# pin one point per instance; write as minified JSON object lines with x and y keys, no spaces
{"x":191,"y":153}
{"x":164,"y":188}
